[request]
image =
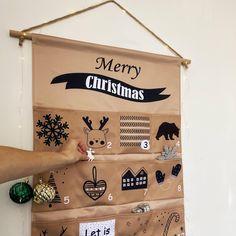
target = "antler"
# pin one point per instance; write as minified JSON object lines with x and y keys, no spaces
{"x":88,"y":122}
{"x":103,"y":122}
{"x":44,"y":233}
{"x":63,"y":230}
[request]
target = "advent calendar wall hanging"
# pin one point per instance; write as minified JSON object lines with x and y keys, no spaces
{"x":126,"y":105}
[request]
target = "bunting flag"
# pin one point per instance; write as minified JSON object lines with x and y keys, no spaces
{"x":125,"y":104}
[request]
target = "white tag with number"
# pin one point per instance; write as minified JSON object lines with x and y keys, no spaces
{"x":145,"y":144}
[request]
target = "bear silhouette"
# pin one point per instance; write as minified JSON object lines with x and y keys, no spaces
{"x":167,"y":130}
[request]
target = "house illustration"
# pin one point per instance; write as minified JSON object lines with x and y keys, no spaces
{"x":131,"y":181}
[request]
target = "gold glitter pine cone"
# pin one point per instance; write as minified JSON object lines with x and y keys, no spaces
{"x":43,"y":193}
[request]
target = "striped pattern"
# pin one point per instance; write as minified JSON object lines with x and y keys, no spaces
{"x":52,"y":182}
{"x":142,"y":118}
{"x":95,"y":192}
{"x":134,"y":124}
{"x":95,"y":189}
{"x":130,"y":144}
{"x":138,"y":137}
{"x":133,"y":130}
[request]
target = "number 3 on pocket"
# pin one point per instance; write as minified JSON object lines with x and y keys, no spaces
{"x":145,"y":145}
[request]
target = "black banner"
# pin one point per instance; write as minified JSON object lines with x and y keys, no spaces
{"x":110,"y":86}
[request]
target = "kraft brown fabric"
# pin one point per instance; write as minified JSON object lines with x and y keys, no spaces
{"x":126,"y":105}
{"x":123,"y":133}
{"x":104,"y":210}
{"x":68,"y":56}
{"x":164,"y":222}
{"x":71,"y":183}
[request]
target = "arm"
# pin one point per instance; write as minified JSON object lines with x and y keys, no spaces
{"x":16,"y":163}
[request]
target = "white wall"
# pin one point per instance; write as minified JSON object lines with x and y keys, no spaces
{"x":203,"y":31}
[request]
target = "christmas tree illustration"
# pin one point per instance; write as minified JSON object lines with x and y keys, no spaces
{"x":52,"y":182}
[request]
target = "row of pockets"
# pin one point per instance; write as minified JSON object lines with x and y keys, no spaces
{"x":99,"y":183}
{"x":106,"y":132}
{"x":159,"y":221}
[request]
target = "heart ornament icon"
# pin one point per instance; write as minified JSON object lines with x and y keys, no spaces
{"x":93,"y":188}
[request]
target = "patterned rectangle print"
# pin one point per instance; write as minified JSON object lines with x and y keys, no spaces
{"x":134,"y":130}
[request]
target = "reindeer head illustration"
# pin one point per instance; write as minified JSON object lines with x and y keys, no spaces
{"x":45,"y":232}
{"x":96,"y":138}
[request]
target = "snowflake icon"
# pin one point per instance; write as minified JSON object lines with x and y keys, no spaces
{"x":52,"y":129}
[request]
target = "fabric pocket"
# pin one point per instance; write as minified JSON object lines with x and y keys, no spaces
{"x":106,"y":132}
{"x":112,"y":183}
{"x":159,"y":221}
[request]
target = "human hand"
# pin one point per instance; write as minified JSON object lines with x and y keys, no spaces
{"x":74,"y":150}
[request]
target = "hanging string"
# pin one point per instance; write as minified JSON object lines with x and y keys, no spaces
{"x":24,"y":34}
{"x":20,"y":94}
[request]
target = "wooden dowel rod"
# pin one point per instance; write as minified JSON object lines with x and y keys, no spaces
{"x":20,"y":35}
{"x":25,"y":35}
